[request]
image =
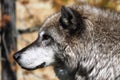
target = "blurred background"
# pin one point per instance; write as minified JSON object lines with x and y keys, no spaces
{"x":20,"y":21}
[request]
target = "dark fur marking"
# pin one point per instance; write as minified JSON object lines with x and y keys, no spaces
{"x":71,"y":20}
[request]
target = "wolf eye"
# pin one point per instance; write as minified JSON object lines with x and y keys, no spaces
{"x":45,"y":37}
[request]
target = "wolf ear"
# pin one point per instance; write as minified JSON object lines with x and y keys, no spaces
{"x":70,"y":19}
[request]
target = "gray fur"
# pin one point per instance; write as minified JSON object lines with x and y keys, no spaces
{"x":92,"y":54}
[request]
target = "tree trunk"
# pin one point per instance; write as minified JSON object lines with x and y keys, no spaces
{"x":8,"y":38}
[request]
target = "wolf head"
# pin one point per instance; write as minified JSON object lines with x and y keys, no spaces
{"x":54,"y":35}
{"x":78,"y":38}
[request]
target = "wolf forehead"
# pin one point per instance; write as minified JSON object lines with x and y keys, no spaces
{"x":51,"y":21}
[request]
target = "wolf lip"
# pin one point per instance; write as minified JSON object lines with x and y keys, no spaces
{"x":42,"y":65}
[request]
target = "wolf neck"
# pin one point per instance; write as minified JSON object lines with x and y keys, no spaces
{"x":74,"y":56}
{"x":77,"y":55}
{"x":81,"y":55}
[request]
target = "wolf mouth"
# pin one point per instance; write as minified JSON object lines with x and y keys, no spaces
{"x":39,"y":66}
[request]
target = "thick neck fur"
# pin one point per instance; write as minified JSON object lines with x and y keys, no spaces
{"x":97,"y":47}
{"x":75,"y":52}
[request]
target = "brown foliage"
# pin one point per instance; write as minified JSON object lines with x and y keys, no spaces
{"x":24,"y":2}
{"x":5,"y":18}
{"x":14,"y":67}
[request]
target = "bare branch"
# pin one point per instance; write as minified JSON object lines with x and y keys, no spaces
{"x":29,"y":30}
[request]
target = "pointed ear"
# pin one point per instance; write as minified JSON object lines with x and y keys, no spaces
{"x":70,"y":19}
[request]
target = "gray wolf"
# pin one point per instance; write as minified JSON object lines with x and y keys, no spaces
{"x":80,"y":41}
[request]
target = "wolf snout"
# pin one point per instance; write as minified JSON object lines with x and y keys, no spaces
{"x":16,"y":56}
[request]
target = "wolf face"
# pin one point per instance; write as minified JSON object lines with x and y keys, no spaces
{"x":51,"y":40}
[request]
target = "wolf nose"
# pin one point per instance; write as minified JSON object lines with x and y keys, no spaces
{"x":16,"y":56}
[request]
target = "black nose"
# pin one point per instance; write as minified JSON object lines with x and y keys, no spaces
{"x":16,"y":56}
